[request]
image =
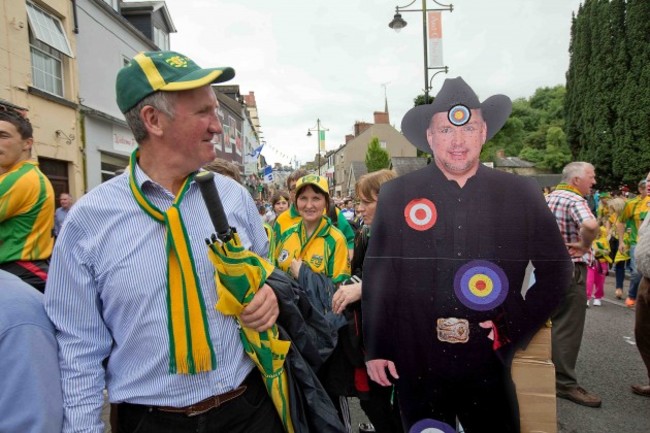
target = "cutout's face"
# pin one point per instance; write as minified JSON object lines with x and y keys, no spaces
{"x":456,"y":149}
{"x":311,"y":204}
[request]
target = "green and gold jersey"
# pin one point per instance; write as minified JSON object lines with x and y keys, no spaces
{"x":325,"y":251}
{"x":633,"y":214}
{"x":291,"y":217}
{"x":26,"y":214}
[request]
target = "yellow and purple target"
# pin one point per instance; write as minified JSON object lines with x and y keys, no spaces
{"x":459,"y":115}
{"x":429,"y":425}
{"x":481,"y":285}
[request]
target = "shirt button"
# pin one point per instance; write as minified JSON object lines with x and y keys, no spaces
{"x":459,"y":199}
{"x":459,"y":254}
{"x":460,"y":227}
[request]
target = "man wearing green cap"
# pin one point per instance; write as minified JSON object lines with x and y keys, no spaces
{"x":131,"y":290}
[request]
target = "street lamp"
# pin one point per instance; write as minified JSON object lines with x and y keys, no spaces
{"x":398,"y":24}
{"x":318,"y":129}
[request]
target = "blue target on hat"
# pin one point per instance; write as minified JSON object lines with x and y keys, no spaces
{"x":429,"y":425}
{"x":481,"y":285}
{"x":459,"y":115}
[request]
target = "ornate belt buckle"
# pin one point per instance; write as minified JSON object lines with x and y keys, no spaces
{"x":452,"y":330}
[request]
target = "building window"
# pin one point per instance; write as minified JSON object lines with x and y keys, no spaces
{"x":48,"y":43}
{"x":382,"y":144}
{"x":48,"y":29}
{"x":47,"y":71}
{"x":161,"y":39}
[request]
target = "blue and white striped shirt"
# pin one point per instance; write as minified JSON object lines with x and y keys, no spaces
{"x":106,"y":295}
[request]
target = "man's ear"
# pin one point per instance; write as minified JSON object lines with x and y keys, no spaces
{"x":152,"y":120}
{"x":27,"y":145}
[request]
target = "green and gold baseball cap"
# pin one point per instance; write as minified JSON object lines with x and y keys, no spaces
{"x":312,"y":179}
{"x":166,"y":71}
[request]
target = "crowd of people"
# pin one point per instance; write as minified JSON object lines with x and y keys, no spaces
{"x":125,"y":288}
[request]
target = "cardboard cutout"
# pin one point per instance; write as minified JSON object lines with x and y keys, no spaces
{"x":456,"y":279}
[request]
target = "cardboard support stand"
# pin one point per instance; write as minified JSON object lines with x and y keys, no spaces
{"x":534,"y":375}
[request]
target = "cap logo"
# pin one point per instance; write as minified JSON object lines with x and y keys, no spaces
{"x":459,"y":115}
{"x":177,"y":61}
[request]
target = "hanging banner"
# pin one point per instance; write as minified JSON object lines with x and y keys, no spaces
{"x":435,"y":39}
{"x":321,"y":140}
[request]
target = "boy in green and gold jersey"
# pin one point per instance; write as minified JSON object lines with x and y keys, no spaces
{"x":26,"y":204}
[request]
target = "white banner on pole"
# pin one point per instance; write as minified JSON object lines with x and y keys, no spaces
{"x":435,"y":39}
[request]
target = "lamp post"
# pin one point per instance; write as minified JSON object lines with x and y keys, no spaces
{"x":318,"y":130}
{"x":398,"y":24}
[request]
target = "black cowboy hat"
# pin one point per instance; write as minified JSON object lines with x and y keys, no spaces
{"x":454,"y":92}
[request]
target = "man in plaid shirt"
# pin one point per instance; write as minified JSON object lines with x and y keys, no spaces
{"x":579,"y":228}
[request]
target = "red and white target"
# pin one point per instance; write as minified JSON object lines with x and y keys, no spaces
{"x":420,"y":214}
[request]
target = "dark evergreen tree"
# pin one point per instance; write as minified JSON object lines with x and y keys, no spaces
{"x":607,"y":105}
{"x":632,"y":127}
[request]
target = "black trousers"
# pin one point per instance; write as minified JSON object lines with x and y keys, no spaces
{"x":382,"y":413}
{"x":482,"y":404}
{"x":251,"y":412}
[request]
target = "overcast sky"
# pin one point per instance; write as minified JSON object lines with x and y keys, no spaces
{"x":331,"y":59}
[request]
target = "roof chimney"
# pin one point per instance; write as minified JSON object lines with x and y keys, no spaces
{"x":381,"y":117}
{"x":250,"y":99}
{"x":360,"y":127}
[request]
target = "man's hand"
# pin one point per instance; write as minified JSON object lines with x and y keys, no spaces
{"x":344,"y":296}
{"x":577,"y":249}
{"x":377,"y":371}
{"x":294,"y":267}
{"x":263,"y":310}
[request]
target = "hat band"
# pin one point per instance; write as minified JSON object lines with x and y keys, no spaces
{"x":156,"y":81}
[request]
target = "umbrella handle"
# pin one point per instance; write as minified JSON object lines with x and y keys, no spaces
{"x":205,"y":180}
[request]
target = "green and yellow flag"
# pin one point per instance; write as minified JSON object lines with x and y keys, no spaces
{"x":239,"y":275}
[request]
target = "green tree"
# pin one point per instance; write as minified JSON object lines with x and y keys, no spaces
{"x":631,"y":159}
{"x":557,"y":154}
{"x":607,"y":105}
{"x":376,"y":157}
{"x":419,"y":100}
{"x":509,"y":138}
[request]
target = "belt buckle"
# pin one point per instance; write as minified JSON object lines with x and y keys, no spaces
{"x":452,"y":330}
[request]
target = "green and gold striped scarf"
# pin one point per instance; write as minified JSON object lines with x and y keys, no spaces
{"x":190,"y":351}
{"x":566,"y":187}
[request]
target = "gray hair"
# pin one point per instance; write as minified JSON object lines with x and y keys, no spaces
{"x":575,"y":169}
{"x":161,"y":101}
